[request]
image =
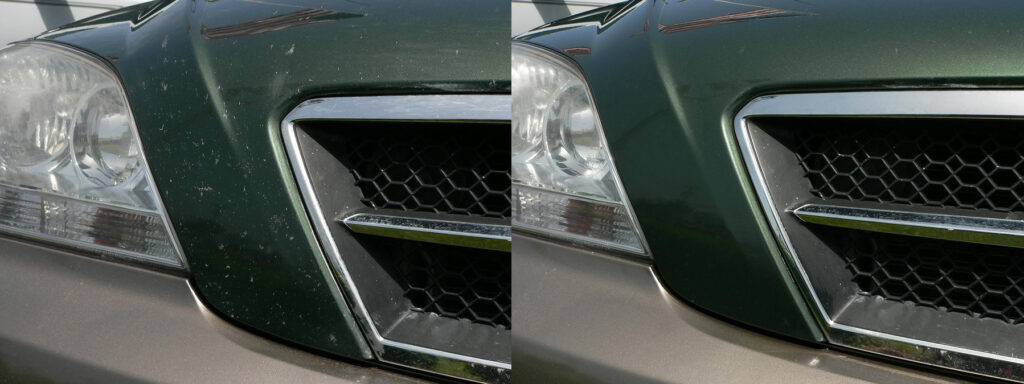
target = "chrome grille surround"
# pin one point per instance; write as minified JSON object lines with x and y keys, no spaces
{"x":429,"y":108}
{"x":841,"y":328}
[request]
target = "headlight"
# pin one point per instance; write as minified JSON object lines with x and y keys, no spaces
{"x":565,"y":181}
{"x":71,"y":166}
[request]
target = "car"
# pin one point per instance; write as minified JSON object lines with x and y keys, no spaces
{"x":23,"y":19}
{"x":785,"y":191}
{"x":258,"y":191}
{"x":529,"y":14}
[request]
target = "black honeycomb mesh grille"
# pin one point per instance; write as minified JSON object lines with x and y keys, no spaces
{"x":978,"y":280}
{"x":461,"y":283}
{"x":954,"y":163}
{"x":461,"y":169}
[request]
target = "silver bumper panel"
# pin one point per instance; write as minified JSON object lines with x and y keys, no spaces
{"x":588,"y":318}
{"x":68,"y":318}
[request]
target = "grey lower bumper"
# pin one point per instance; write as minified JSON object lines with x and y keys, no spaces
{"x":588,"y":318}
{"x":67,"y":318}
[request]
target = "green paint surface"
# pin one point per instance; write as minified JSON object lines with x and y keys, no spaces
{"x":668,"y":78}
{"x":209,"y":83}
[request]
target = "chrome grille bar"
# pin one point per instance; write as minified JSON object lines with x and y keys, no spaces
{"x":462,"y":234}
{"x":1004,"y":232}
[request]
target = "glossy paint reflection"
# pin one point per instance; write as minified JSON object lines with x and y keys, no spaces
{"x":706,"y":230}
{"x":208,"y":108}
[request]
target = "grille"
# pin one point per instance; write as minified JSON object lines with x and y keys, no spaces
{"x":978,"y":280}
{"x":455,"y":282}
{"x":378,"y":173}
{"x":956,"y":163}
{"x":453,"y":169}
{"x":860,"y":187}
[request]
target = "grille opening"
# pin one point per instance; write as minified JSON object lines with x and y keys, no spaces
{"x":962,"y":166}
{"x":910,"y":297}
{"x":972,"y":164}
{"x":455,"y":282}
{"x":459,"y":169}
{"x":440,"y":297}
{"x":978,"y":280}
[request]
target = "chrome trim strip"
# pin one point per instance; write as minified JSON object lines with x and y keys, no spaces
{"x":458,"y":233}
{"x":933,"y":103}
{"x":476,"y":108}
{"x":445,"y":108}
{"x":571,"y":3}
{"x":1002,"y":232}
{"x":933,"y":354}
{"x":461,"y":360}
{"x":890,"y":104}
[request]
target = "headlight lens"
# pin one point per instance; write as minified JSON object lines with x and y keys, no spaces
{"x":565,"y":181}
{"x":71,"y":166}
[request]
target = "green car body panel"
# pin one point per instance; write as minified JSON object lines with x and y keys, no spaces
{"x":692,"y":65}
{"x":209,"y":84}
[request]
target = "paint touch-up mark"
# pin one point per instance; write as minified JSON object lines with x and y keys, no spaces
{"x":757,"y":14}
{"x":276,"y":23}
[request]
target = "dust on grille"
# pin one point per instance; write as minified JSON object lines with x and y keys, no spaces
{"x":978,"y":280}
{"x":461,"y":283}
{"x":954,"y":163}
{"x":442,"y":168}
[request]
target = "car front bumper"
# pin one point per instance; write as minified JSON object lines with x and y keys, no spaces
{"x":69,"y":318}
{"x":590,"y":318}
